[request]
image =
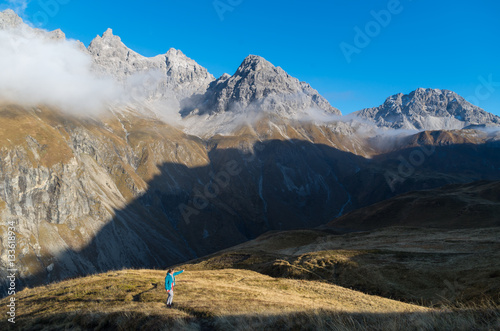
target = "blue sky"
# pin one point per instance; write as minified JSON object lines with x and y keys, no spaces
{"x":402,"y":45}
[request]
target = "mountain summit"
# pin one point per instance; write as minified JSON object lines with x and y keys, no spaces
{"x":427,"y":109}
{"x":258,"y":85}
{"x":162,"y":74}
{"x":9,"y":19}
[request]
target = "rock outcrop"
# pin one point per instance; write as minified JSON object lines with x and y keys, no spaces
{"x":427,"y":109}
{"x":258,"y":86}
{"x":170,"y":75}
{"x":9,"y":20}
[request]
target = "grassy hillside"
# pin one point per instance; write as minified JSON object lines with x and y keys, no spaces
{"x":223,"y":300}
{"x":471,"y":205}
{"x":435,"y":267}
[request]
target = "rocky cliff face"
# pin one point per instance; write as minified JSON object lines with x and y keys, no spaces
{"x":65,"y":183}
{"x":427,"y":109}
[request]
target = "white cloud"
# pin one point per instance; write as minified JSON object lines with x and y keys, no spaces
{"x":37,"y":70}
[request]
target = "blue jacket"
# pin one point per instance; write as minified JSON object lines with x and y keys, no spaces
{"x":170,"y":280}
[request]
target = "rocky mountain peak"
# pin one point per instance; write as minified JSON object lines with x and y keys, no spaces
{"x":427,"y":109}
{"x":257,"y":85}
{"x":175,"y":53}
{"x":108,"y":44}
{"x":108,"y":34}
{"x":177,"y":60}
{"x":429,"y":95}
{"x":9,"y":19}
{"x":253,"y":63}
{"x":57,"y":35}
{"x":422,"y":90}
{"x":171,"y":76}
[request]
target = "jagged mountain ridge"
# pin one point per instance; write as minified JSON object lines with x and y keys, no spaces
{"x":9,"y":20}
{"x":427,"y":109}
{"x":257,"y":85}
{"x":169,"y":75}
{"x":173,"y":77}
{"x":179,"y":83}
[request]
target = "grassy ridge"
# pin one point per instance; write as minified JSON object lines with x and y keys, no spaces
{"x":424,"y":266}
{"x":223,"y":300}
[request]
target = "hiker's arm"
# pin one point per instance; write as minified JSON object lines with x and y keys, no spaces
{"x":178,"y":272}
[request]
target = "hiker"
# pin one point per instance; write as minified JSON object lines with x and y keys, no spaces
{"x":169,"y":285}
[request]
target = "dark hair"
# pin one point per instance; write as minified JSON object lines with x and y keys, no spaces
{"x":170,"y":271}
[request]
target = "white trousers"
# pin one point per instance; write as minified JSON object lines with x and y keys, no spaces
{"x":170,"y":297}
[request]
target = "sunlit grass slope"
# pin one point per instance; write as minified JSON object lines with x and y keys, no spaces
{"x":222,"y":300}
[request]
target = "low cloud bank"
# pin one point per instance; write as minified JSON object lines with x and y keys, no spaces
{"x":35,"y":69}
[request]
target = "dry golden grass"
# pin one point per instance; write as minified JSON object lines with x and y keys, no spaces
{"x":223,"y":300}
{"x":19,"y":123}
{"x":430,"y":266}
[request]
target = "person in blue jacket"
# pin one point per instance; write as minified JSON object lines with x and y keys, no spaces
{"x":169,"y":285}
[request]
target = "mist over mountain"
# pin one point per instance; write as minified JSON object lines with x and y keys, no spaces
{"x":40,"y":67}
{"x":174,"y":164}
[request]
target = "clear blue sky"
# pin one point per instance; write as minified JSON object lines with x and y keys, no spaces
{"x":427,"y":43}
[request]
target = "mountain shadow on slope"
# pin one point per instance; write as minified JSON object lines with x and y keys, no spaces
{"x":282,"y":185}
